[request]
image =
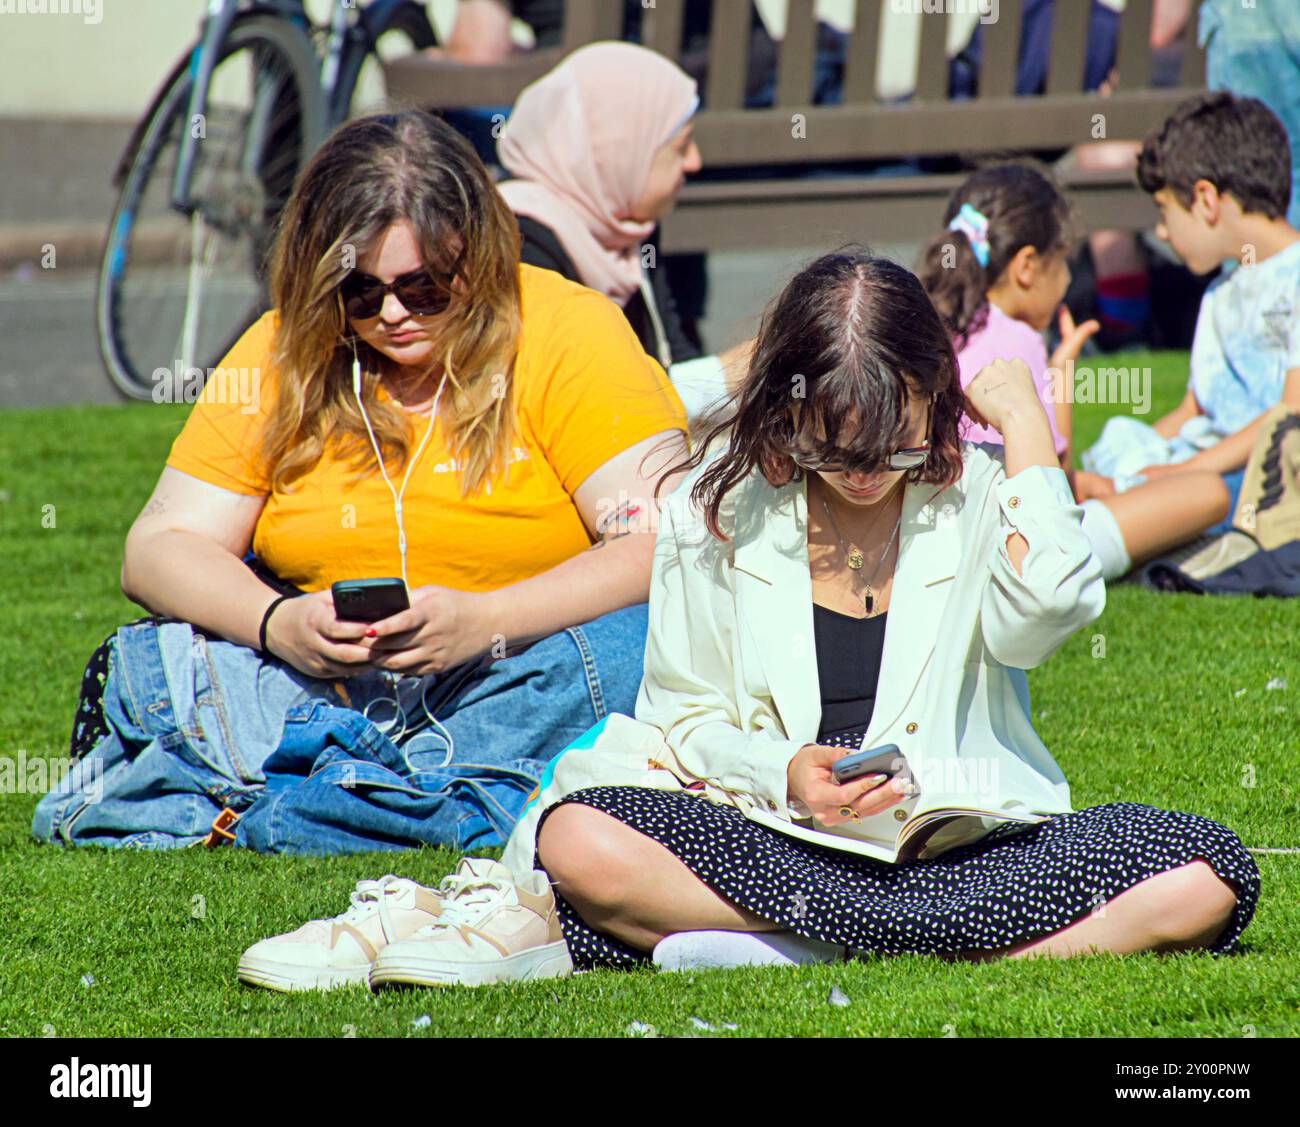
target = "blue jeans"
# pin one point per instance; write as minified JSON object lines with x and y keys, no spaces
{"x":197,"y":724}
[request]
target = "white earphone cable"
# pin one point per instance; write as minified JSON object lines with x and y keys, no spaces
{"x":397,"y":496}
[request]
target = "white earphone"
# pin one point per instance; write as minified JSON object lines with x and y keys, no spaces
{"x":397,"y":497}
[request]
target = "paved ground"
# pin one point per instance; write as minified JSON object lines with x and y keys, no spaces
{"x":57,"y":190}
{"x":47,"y":324}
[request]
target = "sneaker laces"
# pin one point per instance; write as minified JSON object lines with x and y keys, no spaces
{"x":467,"y":897}
{"x":372,"y":896}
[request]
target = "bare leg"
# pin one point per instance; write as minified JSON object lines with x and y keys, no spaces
{"x":1178,"y":910}
{"x":1168,"y":511}
{"x":628,"y":885}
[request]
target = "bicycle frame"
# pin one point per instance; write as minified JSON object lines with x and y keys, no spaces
{"x":221,"y":14}
{"x":343,"y":36}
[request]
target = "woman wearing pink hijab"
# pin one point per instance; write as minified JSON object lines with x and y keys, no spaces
{"x":598,"y":150}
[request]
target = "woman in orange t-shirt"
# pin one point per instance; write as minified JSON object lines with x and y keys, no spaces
{"x":521,"y":424}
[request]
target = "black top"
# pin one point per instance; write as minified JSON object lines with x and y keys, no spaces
{"x":540,"y":246}
{"x":849,"y":651}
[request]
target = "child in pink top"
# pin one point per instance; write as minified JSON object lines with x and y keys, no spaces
{"x":1001,"y":338}
{"x":997,"y":274}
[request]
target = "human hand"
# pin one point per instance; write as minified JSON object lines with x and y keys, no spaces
{"x":442,"y":628}
{"x":1004,"y":390}
{"x":1073,"y":338}
{"x":307,"y":634}
{"x":1163,"y":470}
{"x":809,"y":779}
{"x":1089,"y":485}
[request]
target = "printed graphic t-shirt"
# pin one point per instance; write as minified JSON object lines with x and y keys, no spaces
{"x":1247,"y":339}
{"x":584,"y":392}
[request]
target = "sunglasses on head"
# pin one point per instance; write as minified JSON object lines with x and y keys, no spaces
{"x":420,"y":292}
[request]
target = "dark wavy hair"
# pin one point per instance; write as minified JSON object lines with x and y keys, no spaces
{"x":1024,"y":207}
{"x":1237,"y":144}
{"x":848,"y":341}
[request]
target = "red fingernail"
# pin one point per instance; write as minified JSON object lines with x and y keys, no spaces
{"x":372,"y":633}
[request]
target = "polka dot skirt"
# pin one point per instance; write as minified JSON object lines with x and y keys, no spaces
{"x":1016,"y":883}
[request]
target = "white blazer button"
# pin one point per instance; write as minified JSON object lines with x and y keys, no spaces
{"x":911,"y":728}
{"x":771,"y":805}
{"x":1014,"y":503}
{"x":900,"y":815}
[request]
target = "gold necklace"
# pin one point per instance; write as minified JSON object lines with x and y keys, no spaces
{"x":856,"y":554}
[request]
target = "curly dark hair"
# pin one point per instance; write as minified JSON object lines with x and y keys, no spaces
{"x":848,"y":342}
{"x":1237,"y":144}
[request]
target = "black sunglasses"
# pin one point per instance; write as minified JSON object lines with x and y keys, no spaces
{"x":904,"y":458}
{"x":420,"y":292}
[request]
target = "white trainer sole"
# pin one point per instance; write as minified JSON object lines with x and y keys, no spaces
{"x":287,"y":978}
{"x":549,"y":961}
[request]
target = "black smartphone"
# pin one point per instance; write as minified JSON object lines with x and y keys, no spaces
{"x":885,"y":760}
{"x":369,"y":600}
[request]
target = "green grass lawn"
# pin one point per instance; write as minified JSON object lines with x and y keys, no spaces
{"x":95,"y":943}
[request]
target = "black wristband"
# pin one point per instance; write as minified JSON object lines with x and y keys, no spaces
{"x":261,"y":634}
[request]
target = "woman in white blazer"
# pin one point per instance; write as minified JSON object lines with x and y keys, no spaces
{"x":839,"y":570}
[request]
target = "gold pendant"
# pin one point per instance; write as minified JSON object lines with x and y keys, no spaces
{"x":856,"y":560}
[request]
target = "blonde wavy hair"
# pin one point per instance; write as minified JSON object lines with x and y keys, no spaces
{"x":369,"y":174}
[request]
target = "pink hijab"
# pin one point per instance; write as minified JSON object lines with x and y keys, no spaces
{"x":582,"y":139}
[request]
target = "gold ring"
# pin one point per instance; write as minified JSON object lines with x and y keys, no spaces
{"x":849,"y":812}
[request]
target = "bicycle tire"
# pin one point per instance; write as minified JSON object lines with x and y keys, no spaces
{"x":303,"y":127}
{"x":409,"y":19}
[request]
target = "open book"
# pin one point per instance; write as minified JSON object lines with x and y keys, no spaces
{"x":932,"y":832}
{"x":937,"y":821}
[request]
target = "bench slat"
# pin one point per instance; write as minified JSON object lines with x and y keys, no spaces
{"x":728,"y":55}
{"x":586,"y":21}
{"x":1135,"y":45}
{"x":768,"y":214}
{"x":662,"y":29}
{"x":860,"y":62}
{"x":932,"y":66}
{"x":795,"y":69}
{"x":415,"y":80}
{"x":1000,"y":51}
{"x":987,"y":125}
{"x":1069,"y":47}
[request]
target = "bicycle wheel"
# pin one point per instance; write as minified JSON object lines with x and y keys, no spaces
{"x":175,"y":290}
{"x":405,"y":30}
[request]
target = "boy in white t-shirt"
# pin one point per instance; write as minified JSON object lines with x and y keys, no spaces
{"x":1220,"y":171}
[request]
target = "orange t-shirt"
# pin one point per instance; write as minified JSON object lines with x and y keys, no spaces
{"x":584,"y":391}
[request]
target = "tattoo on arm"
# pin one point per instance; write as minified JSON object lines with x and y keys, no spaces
{"x":609,"y":538}
{"x":154,"y":508}
{"x":615,"y":524}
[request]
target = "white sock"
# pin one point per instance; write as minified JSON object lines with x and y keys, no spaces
{"x":1102,"y":531}
{"x":687,"y":950}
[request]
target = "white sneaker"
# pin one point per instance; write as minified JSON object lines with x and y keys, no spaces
{"x":494,"y":927}
{"x":705,"y":950}
{"x":323,"y":954}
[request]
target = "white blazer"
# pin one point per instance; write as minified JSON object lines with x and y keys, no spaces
{"x":731,"y":678}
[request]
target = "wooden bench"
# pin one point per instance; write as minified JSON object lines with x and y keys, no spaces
{"x":749,"y":213}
